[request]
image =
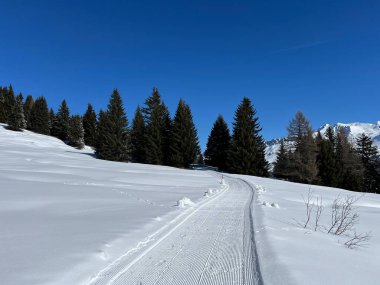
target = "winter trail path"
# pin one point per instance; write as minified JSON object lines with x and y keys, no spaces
{"x":211,"y":244}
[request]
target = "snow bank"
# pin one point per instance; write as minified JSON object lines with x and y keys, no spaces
{"x":290,"y":254}
{"x":65,"y":215}
{"x":182,"y":203}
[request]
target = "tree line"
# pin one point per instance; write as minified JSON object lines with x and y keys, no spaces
{"x":153,"y":137}
{"x":329,"y":160}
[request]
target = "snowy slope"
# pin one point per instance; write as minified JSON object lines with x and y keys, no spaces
{"x":290,"y":254}
{"x":65,"y":215}
{"x":353,"y":131}
{"x":68,"y":218}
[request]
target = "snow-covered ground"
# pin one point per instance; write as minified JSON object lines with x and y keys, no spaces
{"x":68,"y":218}
{"x":65,"y":215}
{"x":290,"y":254}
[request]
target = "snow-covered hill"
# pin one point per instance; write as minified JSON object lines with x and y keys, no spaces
{"x":65,"y":215}
{"x":291,"y":254}
{"x":353,"y":131}
{"x":68,"y":218}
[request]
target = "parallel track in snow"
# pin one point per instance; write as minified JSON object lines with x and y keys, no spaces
{"x":212,"y":245}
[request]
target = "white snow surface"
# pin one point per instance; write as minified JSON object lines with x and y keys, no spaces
{"x":68,"y":218}
{"x":184,"y":202}
{"x":65,"y":215}
{"x":290,"y":254}
{"x":353,"y":130}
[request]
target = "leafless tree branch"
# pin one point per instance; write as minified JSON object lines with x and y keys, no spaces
{"x":318,"y":212}
{"x":358,"y":240}
{"x":309,"y":206}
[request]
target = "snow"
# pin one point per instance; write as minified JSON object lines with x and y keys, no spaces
{"x":354,"y":130}
{"x":290,"y":254}
{"x":68,"y":218}
{"x":65,"y":215}
{"x":182,"y":203}
{"x":210,"y":244}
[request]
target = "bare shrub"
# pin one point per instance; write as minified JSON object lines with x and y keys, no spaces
{"x":309,"y":206}
{"x":344,"y":215}
{"x":318,"y":212}
{"x":358,"y":240}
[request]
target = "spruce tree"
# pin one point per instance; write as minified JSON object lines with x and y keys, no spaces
{"x":63,"y":118}
{"x":90,"y":125}
{"x":156,"y":118}
{"x":326,"y":159}
{"x":16,"y":119}
{"x":76,"y":132}
{"x":369,"y":156}
{"x":28,"y":107}
{"x":53,"y":123}
{"x":218,"y":145}
{"x":349,"y":166}
{"x":247,"y":152}
{"x":138,"y":137}
{"x":101,"y":146}
{"x":184,"y":145}
{"x":2,"y":105}
{"x":113,"y":140}
{"x":280,"y":169}
{"x":39,"y":118}
{"x":9,"y":103}
{"x":166,"y":133}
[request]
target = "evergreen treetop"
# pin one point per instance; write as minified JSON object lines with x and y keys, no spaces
{"x":63,"y":118}
{"x":90,"y":126}
{"x":218,"y":145}
{"x":138,"y":137}
{"x":247,"y":154}
{"x":39,"y":118}
{"x":113,"y":140}
{"x":184,"y":145}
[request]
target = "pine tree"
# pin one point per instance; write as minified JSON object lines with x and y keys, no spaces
{"x":247,"y":152}
{"x":138,"y":137}
{"x":368,"y":153}
{"x":39,"y":118}
{"x":8,"y":103}
{"x":53,"y":123}
{"x":166,"y":133}
{"x":184,"y":147}
{"x":326,"y":159}
{"x":63,"y":118}
{"x":16,"y":119}
{"x":76,"y":132}
{"x":218,"y":145}
{"x":90,"y":125}
{"x":302,"y":159}
{"x":101,"y":145}
{"x":349,"y":165}
{"x":281,"y":165}
{"x":113,"y":140}
{"x":2,"y":105}
{"x":28,"y":107}
{"x":156,"y":118}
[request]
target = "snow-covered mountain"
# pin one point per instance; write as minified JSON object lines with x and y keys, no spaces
{"x":353,"y":130}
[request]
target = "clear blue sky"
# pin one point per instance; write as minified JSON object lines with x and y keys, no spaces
{"x":321,"y":57}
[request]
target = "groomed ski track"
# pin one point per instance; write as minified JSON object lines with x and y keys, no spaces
{"x":212,"y":243}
